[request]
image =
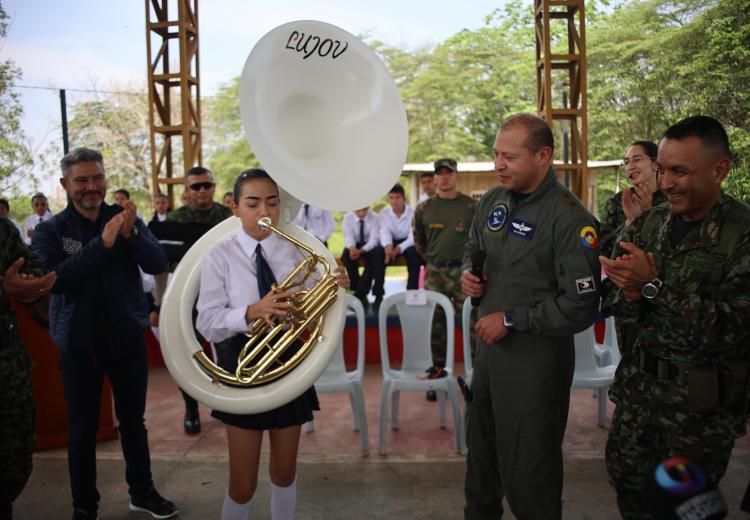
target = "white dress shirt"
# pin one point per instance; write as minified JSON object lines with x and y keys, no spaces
{"x":31,"y":222}
{"x":396,"y":228}
{"x":318,"y":221}
{"x":350,"y":227}
{"x":423,"y":197}
{"x":229,"y":282}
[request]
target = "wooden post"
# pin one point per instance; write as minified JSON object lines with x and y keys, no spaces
{"x":570,"y":58}
{"x":173,"y":96}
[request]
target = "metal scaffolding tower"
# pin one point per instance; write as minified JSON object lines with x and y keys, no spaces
{"x":173,"y":90}
{"x":561,"y":87}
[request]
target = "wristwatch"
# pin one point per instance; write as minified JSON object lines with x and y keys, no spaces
{"x":651,"y":289}
{"x":508,"y":319}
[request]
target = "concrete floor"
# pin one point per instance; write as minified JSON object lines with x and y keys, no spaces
{"x":420,"y":477}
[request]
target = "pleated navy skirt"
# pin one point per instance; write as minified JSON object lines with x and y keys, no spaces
{"x":296,"y":412}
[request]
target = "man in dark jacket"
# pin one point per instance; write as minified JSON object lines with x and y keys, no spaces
{"x":97,"y":318}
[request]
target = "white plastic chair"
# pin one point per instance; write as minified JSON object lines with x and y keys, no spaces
{"x":588,"y":374}
{"x":416,"y":327}
{"x":608,"y":353}
{"x":466,"y":333}
{"x":337,"y":379}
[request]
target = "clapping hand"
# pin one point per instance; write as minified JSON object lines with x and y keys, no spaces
{"x":26,"y":288}
{"x":129,"y":212}
{"x":630,"y":271}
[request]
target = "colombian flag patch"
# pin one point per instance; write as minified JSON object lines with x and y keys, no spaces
{"x":588,"y":238}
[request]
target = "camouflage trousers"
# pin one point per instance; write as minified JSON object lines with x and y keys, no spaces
{"x":447,"y":281}
{"x":16,"y":421}
{"x":653,"y":421}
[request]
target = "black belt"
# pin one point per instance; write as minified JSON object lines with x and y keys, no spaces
{"x":446,"y":263}
{"x":659,"y":367}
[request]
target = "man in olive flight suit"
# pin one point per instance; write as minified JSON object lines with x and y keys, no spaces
{"x":682,"y":277}
{"x":540,"y":287}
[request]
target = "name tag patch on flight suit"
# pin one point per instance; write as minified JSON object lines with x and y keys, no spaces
{"x":497,"y":216}
{"x":589,"y":238}
{"x":585,"y":285}
{"x":521,"y":229}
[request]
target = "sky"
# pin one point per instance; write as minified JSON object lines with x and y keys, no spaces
{"x":85,"y":44}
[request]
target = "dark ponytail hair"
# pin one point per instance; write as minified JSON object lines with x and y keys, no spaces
{"x":247,"y":176}
{"x":650,"y":148}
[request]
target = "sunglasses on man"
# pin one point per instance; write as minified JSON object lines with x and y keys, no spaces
{"x":197,"y":186}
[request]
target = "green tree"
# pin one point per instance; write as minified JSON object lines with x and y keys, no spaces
{"x":15,"y":155}
{"x":226,"y":148}
{"x":117,"y":125}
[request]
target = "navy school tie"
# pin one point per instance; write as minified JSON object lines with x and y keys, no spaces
{"x":361,"y":233}
{"x":263,"y":272}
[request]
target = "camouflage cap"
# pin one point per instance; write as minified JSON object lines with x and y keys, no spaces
{"x":449,"y":164}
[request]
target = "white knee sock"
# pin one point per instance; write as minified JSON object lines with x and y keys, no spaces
{"x":283,"y":501}
{"x":231,"y":510}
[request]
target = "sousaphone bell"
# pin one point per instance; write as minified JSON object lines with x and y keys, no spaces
{"x":326,"y":120}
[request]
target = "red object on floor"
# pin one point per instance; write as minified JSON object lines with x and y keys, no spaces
{"x":46,"y":380}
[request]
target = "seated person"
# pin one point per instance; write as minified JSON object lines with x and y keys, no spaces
{"x":317,"y":221}
{"x":361,"y":239}
{"x":397,"y":235}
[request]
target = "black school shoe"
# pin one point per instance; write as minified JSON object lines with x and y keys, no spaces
{"x":152,"y":502}
{"x":192,"y":422}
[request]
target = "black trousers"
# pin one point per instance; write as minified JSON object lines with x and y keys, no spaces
{"x":413,"y":261}
{"x":373,"y":275}
{"x":83,"y":376}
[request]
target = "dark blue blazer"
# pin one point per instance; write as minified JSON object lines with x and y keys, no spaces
{"x":95,"y":284}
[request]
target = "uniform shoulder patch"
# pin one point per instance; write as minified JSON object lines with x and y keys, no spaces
{"x":497,"y":216}
{"x":585,"y":285}
{"x":588,"y":237}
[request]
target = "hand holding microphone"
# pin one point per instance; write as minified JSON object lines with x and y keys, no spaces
{"x":472,"y":280}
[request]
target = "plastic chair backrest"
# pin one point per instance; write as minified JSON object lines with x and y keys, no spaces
{"x":337,"y":366}
{"x":610,"y":341}
{"x":584,"y":345}
{"x":416,"y":328}
{"x":466,"y":333}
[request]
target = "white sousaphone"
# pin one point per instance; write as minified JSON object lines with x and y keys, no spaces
{"x":326,"y":120}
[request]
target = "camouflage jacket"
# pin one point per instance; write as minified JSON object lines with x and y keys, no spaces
{"x":189,"y":215}
{"x":441,"y":227}
{"x":11,"y":248}
{"x":613,"y":219}
{"x":702,"y":313}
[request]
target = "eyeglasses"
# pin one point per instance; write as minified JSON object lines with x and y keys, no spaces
{"x":635,"y":160}
{"x":196,"y":186}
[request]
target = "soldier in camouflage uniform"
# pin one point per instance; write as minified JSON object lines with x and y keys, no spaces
{"x":640,"y":165}
{"x":622,"y":207}
{"x":682,"y":273}
{"x":17,"y":404}
{"x":441,"y":228}
{"x":199,"y":182}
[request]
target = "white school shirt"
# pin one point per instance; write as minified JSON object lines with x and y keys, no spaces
{"x":31,"y":222}
{"x":395,"y":228}
{"x":423,"y":197}
{"x":319,"y":222}
{"x":229,"y":281}
{"x":350,"y":227}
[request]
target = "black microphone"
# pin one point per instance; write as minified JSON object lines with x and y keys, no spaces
{"x":477,"y":269}
{"x":679,"y":489}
